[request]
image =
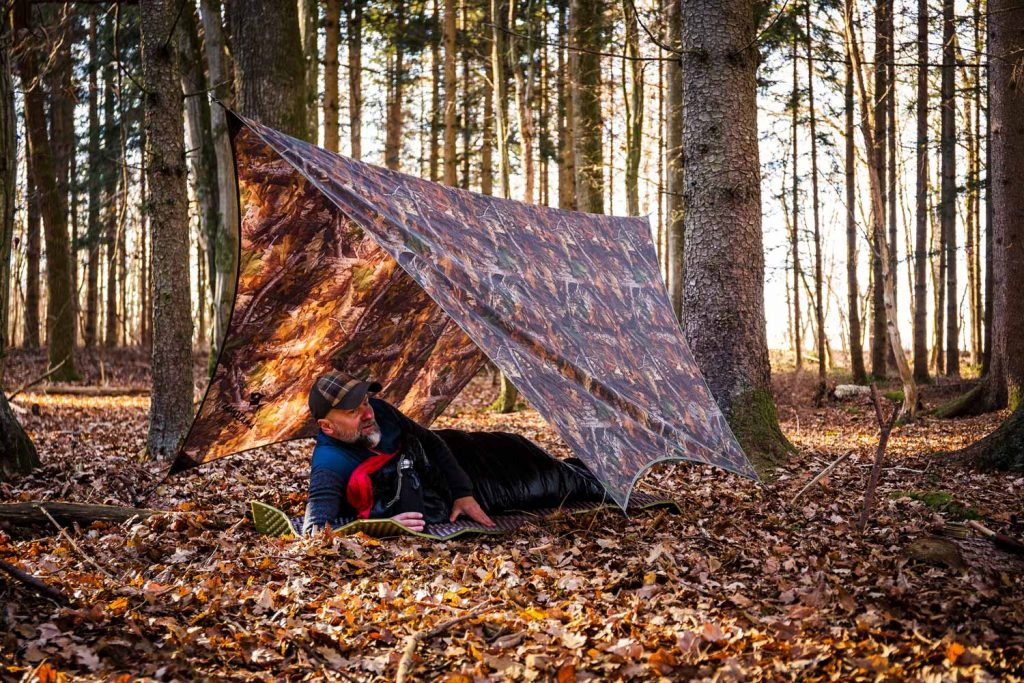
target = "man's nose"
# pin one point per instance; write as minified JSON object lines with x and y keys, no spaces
{"x":367,"y":412}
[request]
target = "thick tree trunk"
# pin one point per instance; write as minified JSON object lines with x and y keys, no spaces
{"x":17,"y":454}
{"x":171,"y":401}
{"x":674,"y":161}
{"x":60,"y":310}
{"x":921,"y":206}
{"x":332,"y":40}
{"x":225,"y":245}
{"x":586,"y":20}
{"x":396,"y":91}
{"x":1003,"y":449}
{"x":270,"y":69}
{"x":948,"y":210}
{"x":449,"y":93}
{"x":852,"y":286}
{"x":723,"y":308}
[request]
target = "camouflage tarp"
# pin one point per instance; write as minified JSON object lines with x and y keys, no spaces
{"x":571,"y":307}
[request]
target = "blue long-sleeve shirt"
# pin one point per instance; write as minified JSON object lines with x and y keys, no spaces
{"x":334,"y":462}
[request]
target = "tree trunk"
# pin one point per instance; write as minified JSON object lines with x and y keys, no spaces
{"x":921,"y":213}
{"x":487,"y":142}
{"x":674,"y":161}
{"x":878,"y":331}
{"x":33,"y":248}
{"x":723,"y":308}
{"x":225,"y":245}
{"x":634,"y":101}
{"x":524,"y":89}
{"x":882,"y":250}
{"x":270,"y":68}
{"x":396,"y":89}
{"x":586,"y":19}
{"x":986,"y":364}
{"x":449,"y":92}
{"x":794,"y":223}
{"x":60,"y":320}
{"x":948,"y":210}
{"x":498,"y":83}
{"x":202,"y":154}
{"x":853,"y":288}
{"x":112,"y":236}
{"x":17,"y":453}
{"x":354,"y":36}
{"x":465,"y":124}
{"x":566,"y":157}
{"x":92,"y":230}
{"x":1003,"y":449}
{"x":332,"y":106}
{"x":309,"y":19}
{"x":819,"y":276}
{"x":171,"y":400}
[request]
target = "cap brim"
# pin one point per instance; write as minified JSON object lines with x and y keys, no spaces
{"x":354,"y":397}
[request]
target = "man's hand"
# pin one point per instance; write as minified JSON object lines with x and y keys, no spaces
{"x":413,"y":521}
{"x":472,"y":509}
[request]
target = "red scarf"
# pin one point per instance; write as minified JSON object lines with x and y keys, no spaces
{"x":360,"y":490}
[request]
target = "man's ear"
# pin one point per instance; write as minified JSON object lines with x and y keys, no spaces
{"x":325,"y":426}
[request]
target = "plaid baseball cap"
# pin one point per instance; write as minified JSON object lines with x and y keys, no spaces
{"x":338,"y":390}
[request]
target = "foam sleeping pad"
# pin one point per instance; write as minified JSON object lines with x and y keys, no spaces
{"x":510,"y":472}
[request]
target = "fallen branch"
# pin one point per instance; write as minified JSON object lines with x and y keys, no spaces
{"x":63,"y":532}
{"x":94,"y":391}
{"x":37,"y":380}
{"x":28,"y":514}
{"x":821,"y":475}
{"x":34,"y":583}
{"x":885,"y":427}
{"x":412,"y":640}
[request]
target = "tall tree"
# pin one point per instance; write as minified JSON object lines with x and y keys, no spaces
{"x":674,"y":159}
{"x":225,"y":246}
{"x":876,"y":188}
{"x":17,"y":454}
{"x":566,"y":157}
{"x":395,"y":88}
{"x":332,"y":40}
{"x":1004,"y":448}
{"x":921,"y":206}
{"x":113,"y":237}
{"x":171,"y":402}
{"x":270,"y":70}
{"x":309,"y":21}
{"x":819,"y":276}
{"x":794,"y":224}
{"x":523,"y":77}
{"x":33,"y":250}
{"x":723,"y":308}
{"x":634,"y":101}
{"x":60,"y":321}
{"x":948,"y":210}
{"x":878,"y":329}
{"x":92,"y":231}
{"x":853,"y":288}
{"x":586,"y":38}
{"x":354,"y":37}
{"x":449,"y":92}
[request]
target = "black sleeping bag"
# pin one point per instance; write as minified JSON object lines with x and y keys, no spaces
{"x":510,"y":472}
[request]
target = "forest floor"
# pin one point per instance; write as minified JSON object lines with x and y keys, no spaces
{"x":743,"y":584}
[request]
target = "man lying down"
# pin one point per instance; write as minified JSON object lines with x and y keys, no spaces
{"x":371,"y":461}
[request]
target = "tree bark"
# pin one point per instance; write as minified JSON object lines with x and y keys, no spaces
{"x":225,"y":245}
{"x":396,"y":90}
{"x":566,"y":156}
{"x":524,"y":91}
{"x":449,"y":93}
{"x":309,"y":19}
{"x":674,"y":161}
{"x":723,"y":308}
{"x":33,"y":247}
{"x":794,"y":224}
{"x":819,"y":276}
{"x":270,"y":69}
{"x":83,"y":514}
{"x":112,"y":236}
{"x":853,"y":288}
{"x":498,"y":84}
{"x":921,"y":212}
{"x":586,"y":31}
{"x":17,"y":453}
{"x":171,"y":401}
{"x":948,"y":210}
{"x":332,"y":40}
{"x":92,"y":230}
{"x":354,"y":36}
{"x":60,"y":320}
{"x":634,"y":109}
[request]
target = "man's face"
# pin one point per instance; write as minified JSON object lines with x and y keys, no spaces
{"x":357,"y":426}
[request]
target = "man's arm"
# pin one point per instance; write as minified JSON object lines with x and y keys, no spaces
{"x":324,"y":502}
{"x":459,"y":482}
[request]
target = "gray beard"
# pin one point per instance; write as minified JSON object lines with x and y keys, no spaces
{"x":369,"y":440}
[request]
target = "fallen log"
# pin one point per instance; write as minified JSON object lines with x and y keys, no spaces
{"x":88,"y":390}
{"x":83,"y":514}
{"x":36,"y":584}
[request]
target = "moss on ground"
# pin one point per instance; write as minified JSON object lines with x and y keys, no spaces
{"x":942,"y":501}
